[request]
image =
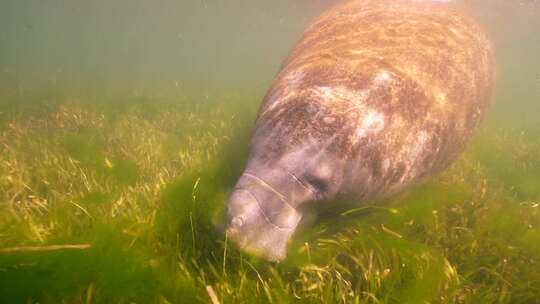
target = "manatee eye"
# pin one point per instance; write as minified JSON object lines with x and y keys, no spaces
{"x":318,"y":183}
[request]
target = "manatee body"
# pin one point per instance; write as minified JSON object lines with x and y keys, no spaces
{"x":375,"y":97}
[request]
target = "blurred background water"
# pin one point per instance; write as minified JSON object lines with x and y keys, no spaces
{"x":138,"y":47}
{"x":166,"y":48}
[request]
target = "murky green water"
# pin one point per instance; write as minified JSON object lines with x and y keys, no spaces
{"x":123,"y":126}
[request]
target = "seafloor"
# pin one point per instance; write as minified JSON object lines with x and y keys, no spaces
{"x":131,"y":192}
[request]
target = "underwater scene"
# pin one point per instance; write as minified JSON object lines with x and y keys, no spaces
{"x":125,"y":126}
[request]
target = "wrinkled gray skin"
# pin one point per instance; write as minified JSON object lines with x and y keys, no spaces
{"x":263,"y":205}
{"x":376,"y":96}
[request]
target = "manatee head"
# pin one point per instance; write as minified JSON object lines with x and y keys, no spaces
{"x":264,"y":209}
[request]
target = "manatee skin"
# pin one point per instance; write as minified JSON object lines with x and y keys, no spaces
{"x":375,"y":97}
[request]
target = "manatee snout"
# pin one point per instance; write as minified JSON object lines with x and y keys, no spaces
{"x":260,"y":220}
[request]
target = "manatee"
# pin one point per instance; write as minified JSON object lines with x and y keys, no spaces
{"x":375,"y":97}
